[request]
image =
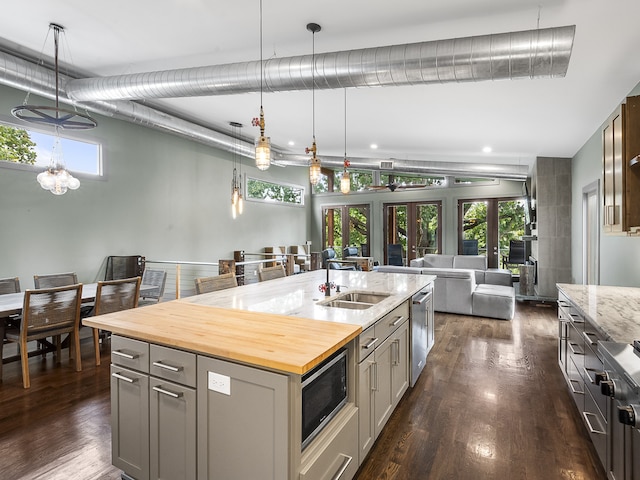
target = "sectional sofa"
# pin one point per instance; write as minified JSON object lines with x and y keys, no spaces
{"x":465,"y":285}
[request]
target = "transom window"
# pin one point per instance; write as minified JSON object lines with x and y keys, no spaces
{"x":263,"y":191}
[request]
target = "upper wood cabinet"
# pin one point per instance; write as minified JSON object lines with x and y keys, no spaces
{"x":620,"y":180}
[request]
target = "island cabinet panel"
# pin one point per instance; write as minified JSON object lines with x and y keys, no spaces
{"x":243,"y":422}
{"x":172,"y":414}
{"x":383,"y":374}
{"x":130,"y":422}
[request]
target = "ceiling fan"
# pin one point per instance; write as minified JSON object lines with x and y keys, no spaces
{"x":393,"y":186}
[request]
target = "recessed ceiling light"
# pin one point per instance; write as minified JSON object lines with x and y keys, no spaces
{"x":373,"y":146}
{"x":291,"y":143}
{"x":486,"y":149}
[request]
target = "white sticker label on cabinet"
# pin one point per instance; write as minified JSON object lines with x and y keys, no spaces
{"x":219,"y":383}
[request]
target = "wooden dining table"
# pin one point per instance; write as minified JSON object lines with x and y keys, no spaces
{"x":11,"y":304}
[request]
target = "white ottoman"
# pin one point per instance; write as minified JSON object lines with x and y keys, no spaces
{"x":494,"y":301}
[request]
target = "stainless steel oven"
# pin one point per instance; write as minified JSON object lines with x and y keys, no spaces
{"x":324,"y":393}
{"x":620,"y":383}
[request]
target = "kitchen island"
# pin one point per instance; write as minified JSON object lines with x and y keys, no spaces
{"x":211,"y":386}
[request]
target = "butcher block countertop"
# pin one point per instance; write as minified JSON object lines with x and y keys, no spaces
{"x":276,"y":324}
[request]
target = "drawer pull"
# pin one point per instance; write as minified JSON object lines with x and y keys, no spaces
{"x":370,"y":344}
{"x":562,"y":303}
{"x":576,"y":318}
{"x":128,"y":356}
{"x":577,"y":392}
{"x":167,"y":392}
{"x":586,"y":416}
{"x":398,"y":321}
{"x":123,"y":378}
{"x":590,"y":341}
{"x":171,"y":368}
{"x":343,"y":467}
{"x":573,"y":346}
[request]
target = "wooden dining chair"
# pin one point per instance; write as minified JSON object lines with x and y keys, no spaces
{"x":55,"y":280}
{"x":114,"y":296}
{"x":9,"y":285}
{"x":48,"y":312}
{"x":213,"y":284}
{"x":269,"y":273}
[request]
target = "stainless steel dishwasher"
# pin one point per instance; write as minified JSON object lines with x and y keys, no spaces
{"x":421,"y":330}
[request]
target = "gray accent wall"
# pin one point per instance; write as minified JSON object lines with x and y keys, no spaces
{"x":619,"y":255}
{"x":162,"y":197}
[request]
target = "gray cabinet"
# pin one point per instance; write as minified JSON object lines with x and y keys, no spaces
{"x":383,"y":374}
{"x":153,"y":410}
{"x":580,"y":361}
{"x":130,"y":406}
{"x":243,"y":422}
{"x":172,"y":414}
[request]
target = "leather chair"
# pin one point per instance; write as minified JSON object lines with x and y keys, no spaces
{"x":394,"y":254}
{"x":349,"y":252}
{"x":330,"y":254}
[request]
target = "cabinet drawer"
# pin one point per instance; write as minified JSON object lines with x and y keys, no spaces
{"x":596,"y":425}
{"x":576,"y":384}
{"x":575,"y":347}
{"x":367,"y":343}
{"x":174,"y":365}
{"x":130,"y":353}
{"x":592,"y":336}
{"x":334,"y":455}
{"x":592,"y":365}
{"x":391,"y":321}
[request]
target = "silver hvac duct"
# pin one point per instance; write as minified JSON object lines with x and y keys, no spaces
{"x":480,"y":170}
{"x":531,"y":53}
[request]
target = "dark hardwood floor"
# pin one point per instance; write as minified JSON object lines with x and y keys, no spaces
{"x":490,"y":404}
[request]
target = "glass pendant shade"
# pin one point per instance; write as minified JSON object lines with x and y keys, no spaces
{"x":56,"y":178}
{"x":263,"y":152}
{"x":345,"y":183}
{"x":315,"y":170}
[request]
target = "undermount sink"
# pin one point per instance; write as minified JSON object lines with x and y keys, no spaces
{"x":355,"y":300}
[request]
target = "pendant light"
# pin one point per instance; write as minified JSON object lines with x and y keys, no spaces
{"x":315,"y":168}
{"x":237,"y":202}
{"x":345,"y":181}
{"x":263,"y":144}
{"x":56,"y":178}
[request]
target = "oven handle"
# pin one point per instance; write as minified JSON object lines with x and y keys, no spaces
{"x":422,"y":299}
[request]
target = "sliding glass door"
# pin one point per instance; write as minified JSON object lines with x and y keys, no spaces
{"x":415,"y":226}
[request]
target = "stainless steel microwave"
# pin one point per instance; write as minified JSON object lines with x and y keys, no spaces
{"x":324,"y":393}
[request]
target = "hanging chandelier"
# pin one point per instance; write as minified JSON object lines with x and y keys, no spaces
{"x":56,"y":178}
{"x":315,"y":167}
{"x":56,"y":116}
{"x":237,"y":202}
{"x":263,"y":144}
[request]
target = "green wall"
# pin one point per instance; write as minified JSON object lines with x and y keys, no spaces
{"x":162,"y":197}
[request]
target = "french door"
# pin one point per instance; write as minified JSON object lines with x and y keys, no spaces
{"x":491,"y":223}
{"x":346,"y":225}
{"x":414,"y":225}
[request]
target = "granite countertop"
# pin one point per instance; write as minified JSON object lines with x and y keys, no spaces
{"x":276,"y":324}
{"x":615,"y":310}
{"x":299,"y":296}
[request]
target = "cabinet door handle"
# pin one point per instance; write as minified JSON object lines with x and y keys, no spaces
{"x":171,"y":368}
{"x":374,"y":373}
{"x":398,"y":321}
{"x":128,"y":356}
{"x":590,"y":341}
{"x":586,"y":416}
{"x":396,"y":351}
{"x":370,"y":344}
{"x":122,"y":377}
{"x":168,"y":392}
{"x":343,"y":467}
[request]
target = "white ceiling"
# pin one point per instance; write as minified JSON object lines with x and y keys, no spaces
{"x":519,"y":119}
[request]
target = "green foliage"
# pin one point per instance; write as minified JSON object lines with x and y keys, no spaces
{"x":16,"y":145}
{"x":262,"y":190}
{"x":510,"y":223}
{"x":357,"y":234}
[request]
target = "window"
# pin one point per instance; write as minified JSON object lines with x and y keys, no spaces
{"x":346,"y":225}
{"x":19,"y":146}
{"x":263,"y":191}
{"x":429,"y":181}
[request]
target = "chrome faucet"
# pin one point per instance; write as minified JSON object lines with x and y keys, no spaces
{"x":327,"y":285}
